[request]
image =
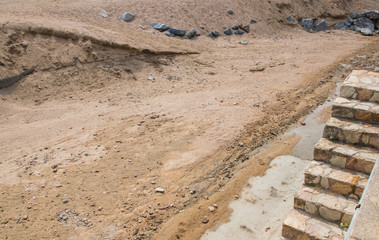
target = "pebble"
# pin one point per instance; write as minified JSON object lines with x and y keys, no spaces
{"x":160,"y":27}
{"x":228,"y":32}
{"x":151,"y":78}
{"x":252,"y":21}
{"x":104,"y":13}
{"x":127,"y":17}
{"x":215,"y":205}
{"x":65,"y":201}
{"x":25,"y":217}
{"x":235,"y":27}
{"x":214,"y":34}
{"x":230,"y":12}
{"x":211,"y":208}
{"x":244,"y":42}
{"x":159,"y":190}
{"x":177,"y":32}
{"x":239,"y":32}
{"x":191,"y":33}
{"x":205,"y":220}
{"x":245,"y":28}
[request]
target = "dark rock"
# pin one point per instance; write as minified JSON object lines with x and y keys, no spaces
{"x":127,"y":17}
{"x":289,"y":19}
{"x":228,"y":32}
{"x":252,"y":21}
{"x":160,"y":27}
{"x":341,"y":25}
{"x":177,"y":32}
{"x":191,"y":33}
{"x":356,"y":15}
{"x":245,"y":28}
{"x":65,"y":201}
{"x":377,"y":24}
{"x":230,"y":12}
{"x":363,"y":22}
{"x":239,"y":32}
{"x":235,"y":27}
{"x":307,"y":24}
{"x":372,"y":15}
{"x":321,"y":26}
{"x":6,"y":82}
{"x":168,"y":33}
{"x":214,"y":34}
{"x":350,"y":21}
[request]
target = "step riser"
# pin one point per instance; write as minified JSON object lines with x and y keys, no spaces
{"x":322,"y":211}
{"x":343,"y":188}
{"x":357,"y":93}
{"x":355,"y":114}
{"x":292,"y":233}
{"x":351,"y":136}
{"x":359,"y":164}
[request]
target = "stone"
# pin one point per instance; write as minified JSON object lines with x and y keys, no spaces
{"x":238,"y":32}
{"x":160,"y":27}
{"x":257,"y":69}
{"x":324,"y":183}
{"x":235,"y":27}
{"x":205,"y":220}
{"x":65,"y":201}
{"x":362,"y":23}
{"x":338,"y":161}
{"x":363,"y":115}
{"x":372,"y":15}
{"x":211,"y":208}
{"x":244,"y":42}
{"x":214,"y":34}
{"x":252,"y":21}
{"x":356,"y":15}
{"x":321,"y":26}
{"x":191,"y":34}
{"x":341,"y":188}
{"x":307,"y":24}
{"x":151,"y":78}
{"x":330,"y":214}
{"x":228,"y":32}
{"x":343,"y":25}
{"x":245,"y":28}
{"x":311,"y":208}
{"x":177,"y":32}
{"x":230,"y":12}
{"x":104,"y":13}
{"x":127,"y":17}
{"x":289,"y":19}
{"x":347,"y":92}
{"x":159,"y":190}
{"x":366,"y":32}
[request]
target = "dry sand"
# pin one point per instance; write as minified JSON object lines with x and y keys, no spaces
{"x":88,"y":127}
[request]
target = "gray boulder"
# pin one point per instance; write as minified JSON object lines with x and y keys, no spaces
{"x":168,"y":33}
{"x":160,"y":27}
{"x":363,"y":22}
{"x":191,"y":34}
{"x":356,"y":15}
{"x":228,"y":32}
{"x":307,"y":24}
{"x":177,"y":32}
{"x":252,"y":21}
{"x":366,"y":32}
{"x":321,"y":26}
{"x":372,"y":15}
{"x":127,"y":17}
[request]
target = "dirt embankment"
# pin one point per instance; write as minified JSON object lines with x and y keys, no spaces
{"x":87,"y":138}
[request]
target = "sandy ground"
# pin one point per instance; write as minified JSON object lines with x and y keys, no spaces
{"x":86,"y":139}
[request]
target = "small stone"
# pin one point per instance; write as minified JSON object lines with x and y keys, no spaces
{"x":257,"y":69}
{"x":211,"y":208}
{"x":244,"y":42}
{"x":54,"y":166}
{"x":307,"y":24}
{"x":191,"y":34}
{"x":228,"y":32}
{"x":245,"y":28}
{"x":214,"y":34}
{"x":151,"y":78}
{"x":169,"y":34}
{"x":289,"y":19}
{"x":321,"y":26}
{"x":99,"y":208}
{"x":192,"y":191}
{"x":230,"y":12}
{"x":160,"y":27}
{"x":215,"y":205}
{"x":240,"y":144}
{"x":65,"y":201}
{"x":104,"y":13}
{"x":159,"y":190}
{"x":239,"y":32}
{"x":205,"y":220}
{"x":25,"y":217}
{"x":127,"y":17}
{"x":252,"y":21}
{"x":177,"y":32}
{"x":235,"y":27}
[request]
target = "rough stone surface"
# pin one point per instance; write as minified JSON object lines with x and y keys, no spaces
{"x":191,"y":34}
{"x":228,"y":32}
{"x":321,"y":26}
{"x":127,"y":17}
{"x":177,"y":32}
{"x":214,"y":34}
{"x":160,"y":27}
{"x":239,"y":32}
{"x":307,"y":24}
{"x":363,"y":23}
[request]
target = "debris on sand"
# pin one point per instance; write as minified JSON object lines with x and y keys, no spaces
{"x":159,"y":190}
{"x":127,"y":17}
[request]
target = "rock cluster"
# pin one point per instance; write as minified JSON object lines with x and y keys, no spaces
{"x":365,"y":23}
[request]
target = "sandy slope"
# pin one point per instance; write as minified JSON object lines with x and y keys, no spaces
{"x":112,"y":136}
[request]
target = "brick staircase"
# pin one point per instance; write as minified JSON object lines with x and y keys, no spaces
{"x":343,"y":160}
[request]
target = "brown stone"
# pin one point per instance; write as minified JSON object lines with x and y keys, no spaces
{"x":363,"y":115}
{"x":330,"y":214}
{"x":341,"y":188}
{"x":365,"y":95}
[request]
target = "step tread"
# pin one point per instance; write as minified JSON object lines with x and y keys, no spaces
{"x":356,"y":109}
{"x":346,"y":156}
{"x":300,"y":223}
{"x":325,"y":203}
{"x":342,"y":181}
{"x":361,"y":85}
{"x":352,"y":132}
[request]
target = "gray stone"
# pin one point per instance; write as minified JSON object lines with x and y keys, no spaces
{"x":239,"y":32}
{"x":252,"y":21}
{"x":321,"y":26}
{"x":65,"y":201}
{"x":307,"y":24}
{"x":228,"y":32}
{"x":104,"y":13}
{"x":366,"y":32}
{"x":177,"y":32}
{"x":235,"y":27}
{"x":230,"y":12}
{"x":127,"y":17}
{"x":363,"y":22}
{"x":160,"y":27}
{"x":169,"y":34}
{"x":159,"y":190}
{"x":289,"y":19}
{"x":356,"y":15}
{"x":214,"y":34}
{"x":245,"y":28}
{"x":244,"y":42}
{"x":373,"y":15}
{"x":191,"y":34}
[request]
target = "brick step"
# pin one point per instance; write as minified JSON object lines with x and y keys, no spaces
{"x":341,"y":181}
{"x":351,"y":132}
{"x":345,"y":156}
{"x":355,"y":109}
{"x":326,"y":204}
{"x":361,"y":85}
{"x":300,"y":225}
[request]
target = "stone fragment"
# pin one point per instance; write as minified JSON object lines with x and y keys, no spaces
{"x":205,"y":220}
{"x":321,"y":26}
{"x":311,"y":208}
{"x":307,"y":24}
{"x":347,"y":92}
{"x":289,"y":19}
{"x":330,"y":214}
{"x":159,"y":190}
{"x":228,"y":32}
{"x":230,"y":12}
{"x":363,"y":23}
{"x":238,"y":32}
{"x":151,"y":78}
{"x":65,"y":201}
{"x":372,"y":15}
{"x":244,"y":42}
{"x":257,"y":69}
{"x":211,"y":208}
{"x":338,"y":161}
{"x":104,"y":13}
{"x":252,"y":21}
{"x":177,"y":32}
{"x":214,"y":34}
{"x":245,"y":28}
{"x":160,"y":27}
{"x":356,"y":15}
{"x":191,"y":34}
{"x":127,"y":17}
